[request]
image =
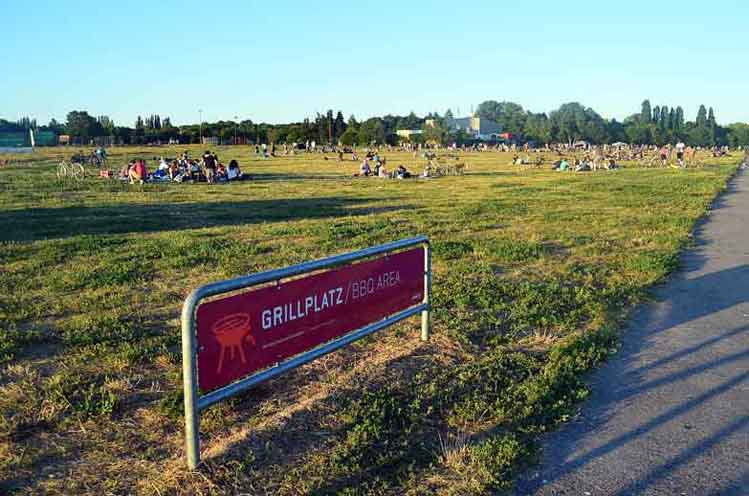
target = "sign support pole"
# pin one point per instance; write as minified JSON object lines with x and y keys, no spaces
{"x":426,"y":314}
{"x":189,"y":379}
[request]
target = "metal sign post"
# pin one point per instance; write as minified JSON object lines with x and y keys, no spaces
{"x":233,"y":342}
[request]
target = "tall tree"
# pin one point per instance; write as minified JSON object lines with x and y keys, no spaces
{"x":679,"y":123}
{"x":646,"y":114}
{"x":701,"y":120}
{"x":329,"y":121}
{"x":663,"y":118}
{"x":352,"y":123}
{"x":711,"y":118}
{"x":339,"y":126}
{"x":656,"y":114}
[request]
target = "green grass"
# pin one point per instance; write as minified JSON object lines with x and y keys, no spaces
{"x":534,"y":272}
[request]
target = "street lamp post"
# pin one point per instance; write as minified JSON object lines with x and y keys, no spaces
{"x":200,"y":113}
{"x":236,"y":124}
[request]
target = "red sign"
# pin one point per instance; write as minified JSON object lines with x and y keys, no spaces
{"x":242,"y":334}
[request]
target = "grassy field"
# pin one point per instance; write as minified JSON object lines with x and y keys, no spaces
{"x":534,"y":272}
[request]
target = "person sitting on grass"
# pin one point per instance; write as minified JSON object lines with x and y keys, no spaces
{"x":174,"y":171}
{"x":195,"y":172}
{"x":402,"y":173}
{"x":382,"y":172}
{"x":365,"y":169}
{"x":582,"y":166}
{"x":611,"y":164}
{"x":125,"y":171}
{"x":221,"y":173}
{"x":233,"y":173}
{"x":138,"y":172}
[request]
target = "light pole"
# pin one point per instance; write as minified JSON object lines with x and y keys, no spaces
{"x":235,"y":129}
{"x":200,"y":113}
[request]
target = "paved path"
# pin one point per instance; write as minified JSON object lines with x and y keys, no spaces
{"x":669,"y":414}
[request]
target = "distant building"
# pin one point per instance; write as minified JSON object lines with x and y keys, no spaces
{"x":476,"y":127}
{"x":210,"y":140}
{"x":407,"y":133}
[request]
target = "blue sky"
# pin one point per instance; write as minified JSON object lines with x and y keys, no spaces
{"x":282,"y":61}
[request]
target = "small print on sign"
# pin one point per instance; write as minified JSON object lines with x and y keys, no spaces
{"x":245,"y":333}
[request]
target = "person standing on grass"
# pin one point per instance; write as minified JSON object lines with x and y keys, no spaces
{"x":680,"y":146}
{"x":664,"y":155}
{"x":209,"y":164}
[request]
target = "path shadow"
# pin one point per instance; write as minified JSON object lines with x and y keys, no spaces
{"x":43,"y":223}
{"x":674,"y":328}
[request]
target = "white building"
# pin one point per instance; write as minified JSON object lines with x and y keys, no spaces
{"x":475,"y":127}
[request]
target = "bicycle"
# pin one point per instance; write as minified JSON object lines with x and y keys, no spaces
{"x":72,"y":170}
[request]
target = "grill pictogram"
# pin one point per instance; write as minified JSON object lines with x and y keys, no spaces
{"x":231,"y":332}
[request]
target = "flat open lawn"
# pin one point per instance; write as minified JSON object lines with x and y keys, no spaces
{"x":534,"y":270}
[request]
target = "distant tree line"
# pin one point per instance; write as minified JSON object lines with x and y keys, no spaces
{"x":569,"y":123}
{"x":652,"y":125}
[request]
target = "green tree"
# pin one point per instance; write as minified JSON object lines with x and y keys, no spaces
{"x":435,"y":133}
{"x":538,"y":128}
{"x":510,"y":116}
{"x":349,"y":137}
{"x":82,"y":125}
{"x":738,"y":134}
{"x":616,"y":131}
{"x":663,"y":118}
{"x":701,"y":120}
{"x":646,"y":114}
{"x":679,"y":122}
{"x":656,"y":114}
{"x":372,"y":131}
{"x":339,"y":126}
{"x":573,"y":122}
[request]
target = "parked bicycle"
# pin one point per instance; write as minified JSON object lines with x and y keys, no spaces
{"x":71,"y":170}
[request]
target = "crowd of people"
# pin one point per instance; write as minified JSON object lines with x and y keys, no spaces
{"x":375,"y":166}
{"x":575,"y":157}
{"x":183,"y":169}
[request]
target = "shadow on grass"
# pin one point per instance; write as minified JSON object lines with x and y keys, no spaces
{"x":42,"y":223}
{"x":277,"y":176}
